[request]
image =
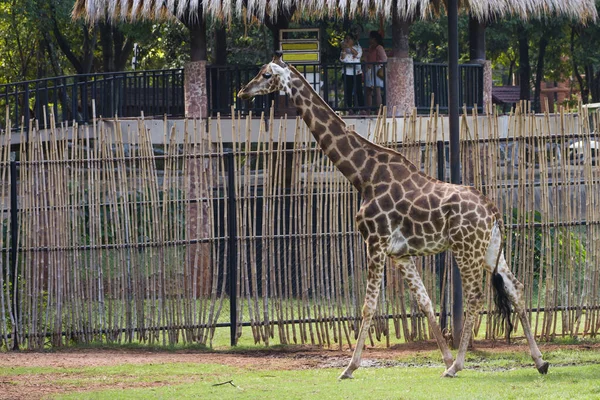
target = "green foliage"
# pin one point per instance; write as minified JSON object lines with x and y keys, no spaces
{"x":166,"y":45}
{"x":568,"y":240}
{"x":502,"y":48}
{"x":20,"y":42}
{"x":585,"y":58}
{"x":250,"y":45}
{"x":40,"y":39}
{"x":428,"y":40}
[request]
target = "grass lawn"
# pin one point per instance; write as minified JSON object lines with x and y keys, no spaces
{"x":284,"y":374}
{"x":384,"y":383}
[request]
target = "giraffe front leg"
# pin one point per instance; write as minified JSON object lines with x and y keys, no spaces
{"x":415,"y":283}
{"x":376,"y":265}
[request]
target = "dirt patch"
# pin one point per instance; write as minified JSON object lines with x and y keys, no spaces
{"x":34,"y":386}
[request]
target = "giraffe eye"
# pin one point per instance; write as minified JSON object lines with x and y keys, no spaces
{"x":267,"y":76}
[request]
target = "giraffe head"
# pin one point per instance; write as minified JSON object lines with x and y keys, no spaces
{"x":272,"y":77}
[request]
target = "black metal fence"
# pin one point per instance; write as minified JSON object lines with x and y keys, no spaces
{"x":69,"y":98}
{"x":328,"y":80}
{"x":433,"y":79}
{"x":161,"y":92}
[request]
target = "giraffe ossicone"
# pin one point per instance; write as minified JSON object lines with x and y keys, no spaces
{"x":405,"y":213}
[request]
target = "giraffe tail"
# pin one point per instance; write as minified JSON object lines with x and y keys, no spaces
{"x":502,"y":301}
{"x":501,"y":298}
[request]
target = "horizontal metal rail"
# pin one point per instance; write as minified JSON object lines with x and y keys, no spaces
{"x":280,"y":322}
{"x":78,"y":98}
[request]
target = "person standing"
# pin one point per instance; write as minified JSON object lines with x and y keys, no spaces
{"x":375,"y":57}
{"x":353,"y":87}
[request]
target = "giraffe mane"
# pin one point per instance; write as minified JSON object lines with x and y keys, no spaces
{"x":299,"y":75}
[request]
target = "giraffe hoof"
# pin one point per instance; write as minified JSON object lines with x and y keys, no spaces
{"x":346,"y":375}
{"x":448,"y":374}
{"x":544,"y":368}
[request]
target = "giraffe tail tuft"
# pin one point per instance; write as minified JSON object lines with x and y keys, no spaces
{"x":502,"y":301}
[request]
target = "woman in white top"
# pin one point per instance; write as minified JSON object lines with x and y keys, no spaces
{"x":353,"y":86}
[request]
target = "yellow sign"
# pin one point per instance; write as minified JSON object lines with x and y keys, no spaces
{"x":291,"y":46}
{"x":300,"y":46}
{"x":301,"y":57}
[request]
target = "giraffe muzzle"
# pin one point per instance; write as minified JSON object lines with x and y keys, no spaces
{"x":243,"y":94}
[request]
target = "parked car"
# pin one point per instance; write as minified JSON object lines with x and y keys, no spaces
{"x":577,"y":151}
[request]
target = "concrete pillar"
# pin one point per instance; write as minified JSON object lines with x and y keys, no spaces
{"x":196,"y":100}
{"x":400,"y":86}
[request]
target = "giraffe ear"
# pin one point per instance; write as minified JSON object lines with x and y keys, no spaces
{"x":277,"y":58}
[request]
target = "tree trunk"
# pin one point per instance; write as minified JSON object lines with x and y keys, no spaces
{"x":583,"y":88}
{"x":123,"y":48}
{"x":510,"y":72}
{"x":539,"y":73}
{"x":218,"y":92}
{"x":89,"y":45}
{"x":51,"y":50}
{"x":400,"y":32}
{"x":197,"y":27}
{"x":106,"y":41}
{"x":595,"y":85}
{"x":220,"y":46}
{"x":198,"y":41}
{"x":476,"y":39}
{"x":524,"y":66}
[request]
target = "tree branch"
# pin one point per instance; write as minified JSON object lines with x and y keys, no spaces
{"x":65,"y":46}
{"x":582,"y":87}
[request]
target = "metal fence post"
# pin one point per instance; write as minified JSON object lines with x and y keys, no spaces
{"x":453,"y":122}
{"x":26,"y":111}
{"x":232,"y":241}
{"x":440,"y":259}
{"x":14,"y":237}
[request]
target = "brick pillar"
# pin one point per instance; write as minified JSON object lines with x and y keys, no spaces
{"x":400,"y":86}
{"x":199,"y":227}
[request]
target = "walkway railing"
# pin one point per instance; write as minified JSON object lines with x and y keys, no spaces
{"x":433,"y":79}
{"x":160,"y":92}
{"x":69,"y":98}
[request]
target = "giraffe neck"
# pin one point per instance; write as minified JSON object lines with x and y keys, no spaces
{"x":348,"y":151}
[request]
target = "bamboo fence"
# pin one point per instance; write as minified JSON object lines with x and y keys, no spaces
{"x":117,"y":244}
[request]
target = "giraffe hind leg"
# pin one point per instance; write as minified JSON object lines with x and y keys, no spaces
{"x":510,"y":287}
{"x":514,"y":290}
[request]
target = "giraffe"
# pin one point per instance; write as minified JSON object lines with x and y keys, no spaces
{"x":405,"y":213}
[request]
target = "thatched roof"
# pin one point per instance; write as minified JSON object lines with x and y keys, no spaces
{"x":583,"y":10}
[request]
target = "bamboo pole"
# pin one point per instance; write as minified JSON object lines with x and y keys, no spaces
{"x":5,"y":308}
